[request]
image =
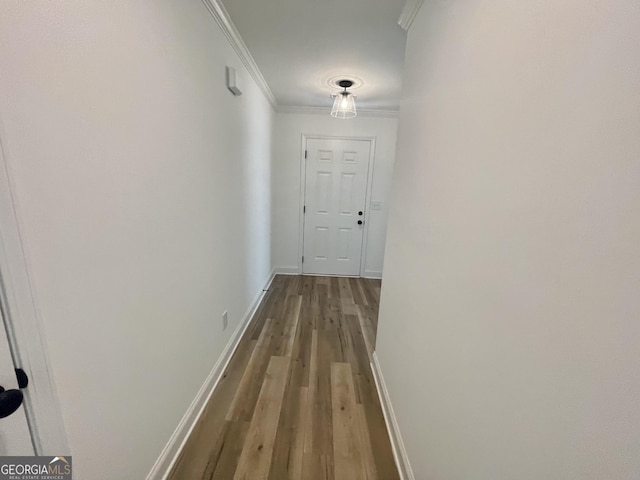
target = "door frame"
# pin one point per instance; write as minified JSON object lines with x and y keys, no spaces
{"x":23,"y":322}
{"x":367,"y":198}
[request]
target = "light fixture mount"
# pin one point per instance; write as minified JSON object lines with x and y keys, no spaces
{"x":345,"y":84}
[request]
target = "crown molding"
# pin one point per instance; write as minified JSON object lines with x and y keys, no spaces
{"x":221,"y":16}
{"x":362,"y":112}
{"x":409,"y":12}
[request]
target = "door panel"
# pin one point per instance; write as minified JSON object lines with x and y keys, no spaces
{"x":342,"y":245}
{"x":321,"y":243}
{"x":324,"y":189}
{"x":335,"y":194}
{"x":346,"y":193}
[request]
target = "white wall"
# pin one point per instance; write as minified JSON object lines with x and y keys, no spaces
{"x":286,"y":181}
{"x":509,"y":329}
{"x":144,"y":194}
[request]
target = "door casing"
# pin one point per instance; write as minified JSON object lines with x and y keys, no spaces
{"x":303,"y":172}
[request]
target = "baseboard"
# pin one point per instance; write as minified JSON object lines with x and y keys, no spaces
{"x":294,"y":270}
{"x":287,"y":270}
{"x":169,"y":455}
{"x":372,"y":274}
{"x":397,"y":445}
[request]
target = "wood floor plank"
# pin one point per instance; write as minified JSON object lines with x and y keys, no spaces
{"x":345,"y":290}
{"x":255,"y":459}
{"x":357,"y":289}
{"x":241,"y":405}
{"x":311,"y":393}
{"x":288,"y":449}
{"x":294,"y":284}
{"x":368,"y":331}
{"x":348,"y":307}
{"x":380,"y":444}
{"x":227,"y":462}
{"x":318,"y":462}
{"x":347,"y":446}
{"x":301,"y":351}
{"x":297,"y":451}
{"x":371,"y":289}
{"x":292,"y":316}
{"x":334,"y":288}
{"x":369,"y":462}
{"x":369,"y":323}
{"x":317,"y":309}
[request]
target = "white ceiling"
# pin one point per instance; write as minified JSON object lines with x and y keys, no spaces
{"x":301,"y":46}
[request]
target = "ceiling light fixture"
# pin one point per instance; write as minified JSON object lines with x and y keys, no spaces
{"x":344,"y":104}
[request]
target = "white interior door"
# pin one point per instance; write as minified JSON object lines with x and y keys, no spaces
{"x":15,"y":438}
{"x":335,"y":196}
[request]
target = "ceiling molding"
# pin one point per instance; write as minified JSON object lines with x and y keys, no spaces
{"x":362,"y":112}
{"x":221,"y":16}
{"x":409,"y":12}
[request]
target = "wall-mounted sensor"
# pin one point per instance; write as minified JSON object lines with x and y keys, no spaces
{"x":231,"y":81}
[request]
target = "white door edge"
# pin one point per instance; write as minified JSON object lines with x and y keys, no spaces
{"x":302,"y":187}
{"x":15,"y":436}
{"x":24,"y":326}
{"x":367,"y":203}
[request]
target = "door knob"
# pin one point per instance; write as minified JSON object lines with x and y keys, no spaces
{"x":10,"y":401}
{"x":23,"y":379}
{"x":359,"y":222}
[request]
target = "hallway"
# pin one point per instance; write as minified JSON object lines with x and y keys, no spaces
{"x":298,"y":400}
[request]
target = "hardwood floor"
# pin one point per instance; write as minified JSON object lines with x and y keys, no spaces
{"x":298,"y":400}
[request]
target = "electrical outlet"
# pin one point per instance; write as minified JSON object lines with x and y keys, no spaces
{"x":225,"y":320}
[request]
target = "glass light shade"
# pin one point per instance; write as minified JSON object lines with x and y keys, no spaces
{"x":344,"y":105}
